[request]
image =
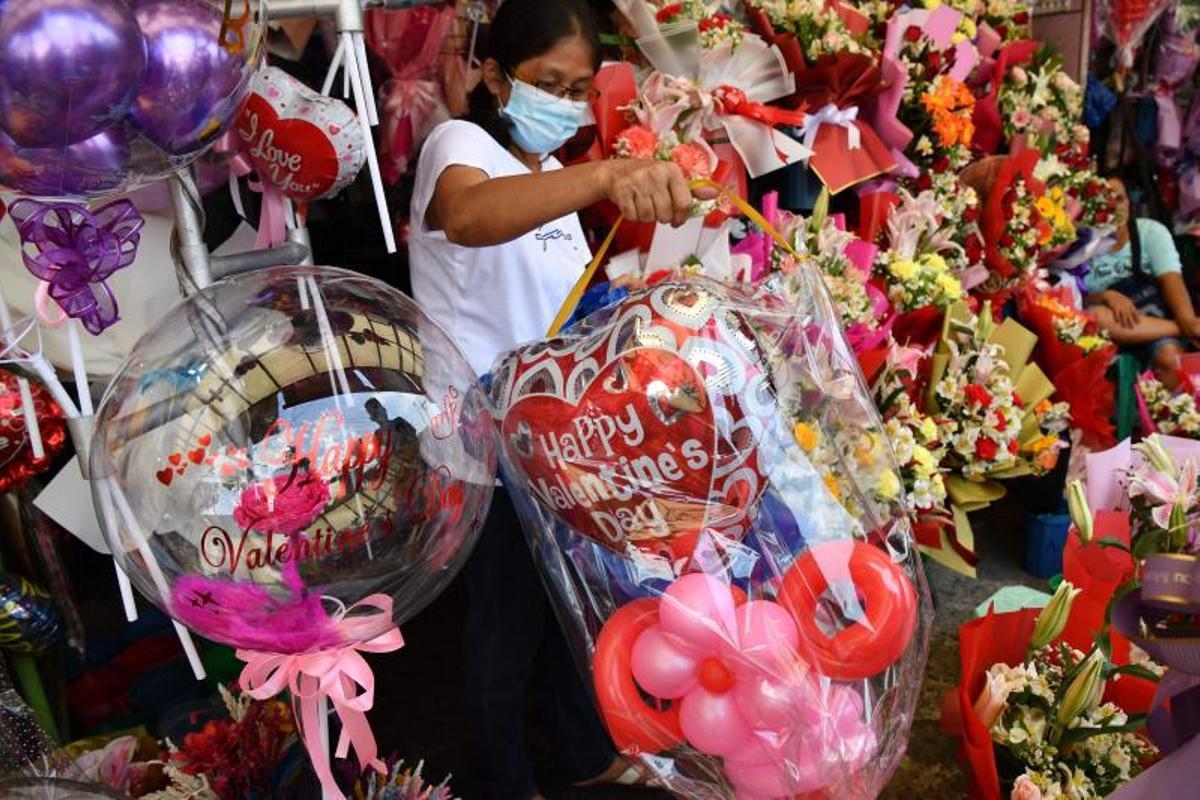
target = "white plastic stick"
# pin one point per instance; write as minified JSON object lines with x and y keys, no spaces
{"x":31,"y":420}
{"x":360,"y":52}
{"x":37,"y":362}
{"x":302,"y":288}
{"x":334,"y":65}
{"x":156,"y":575}
{"x":389,"y":238}
{"x":5,"y":317}
{"x":110,"y":522}
{"x":323,"y":730}
{"x":80,"y":368}
{"x":332,"y":354}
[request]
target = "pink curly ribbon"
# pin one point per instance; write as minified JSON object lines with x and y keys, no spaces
{"x":73,"y":251}
{"x":340,"y":674}
{"x":272,"y":215}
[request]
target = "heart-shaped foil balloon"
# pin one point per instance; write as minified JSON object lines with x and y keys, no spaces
{"x":643,"y":431}
{"x":305,"y":144}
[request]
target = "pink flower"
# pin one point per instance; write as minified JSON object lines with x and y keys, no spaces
{"x":283,"y":504}
{"x":1165,"y":492}
{"x":637,"y":142}
{"x":1021,"y":118}
{"x":694,"y":159}
{"x":113,"y":766}
{"x":990,"y":703}
{"x":1025,"y":789}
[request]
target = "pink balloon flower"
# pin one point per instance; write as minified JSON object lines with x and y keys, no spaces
{"x":745,"y":695}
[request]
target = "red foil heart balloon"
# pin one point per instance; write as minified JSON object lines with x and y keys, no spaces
{"x":644,"y":432}
{"x":306,"y":145}
{"x":17,"y":464}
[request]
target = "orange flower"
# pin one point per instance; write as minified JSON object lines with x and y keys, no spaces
{"x":951,"y":105}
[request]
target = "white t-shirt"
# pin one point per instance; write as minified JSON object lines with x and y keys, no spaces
{"x":490,"y":299}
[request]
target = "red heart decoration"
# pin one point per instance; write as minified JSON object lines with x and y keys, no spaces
{"x":620,"y":439}
{"x":175,"y":458}
{"x":165,"y":476}
{"x":304,"y":144}
{"x":196,"y":456}
{"x":205,"y":440}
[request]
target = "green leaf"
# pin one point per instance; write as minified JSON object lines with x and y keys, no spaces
{"x":1147,"y":543}
{"x":1136,"y":670}
{"x":820,"y":210}
{"x":1076,"y":735}
{"x":1109,"y":541}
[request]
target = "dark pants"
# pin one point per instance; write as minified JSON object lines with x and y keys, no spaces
{"x":512,"y":638}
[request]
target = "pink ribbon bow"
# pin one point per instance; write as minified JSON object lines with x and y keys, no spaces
{"x":340,"y":674}
{"x":272,"y":215}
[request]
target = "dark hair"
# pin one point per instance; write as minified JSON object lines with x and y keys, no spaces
{"x":521,"y":30}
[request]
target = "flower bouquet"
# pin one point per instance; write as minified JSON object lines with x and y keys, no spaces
{"x":1015,"y":232}
{"x":1030,"y":710}
{"x":810,"y":24}
{"x":714,"y":27}
{"x":1041,"y":105}
{"x":1163,"y":410}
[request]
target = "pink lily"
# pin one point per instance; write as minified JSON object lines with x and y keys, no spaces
{"x":1166,"y":492}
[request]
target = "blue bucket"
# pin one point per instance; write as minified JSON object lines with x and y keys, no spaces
{"x":1045,"y":535}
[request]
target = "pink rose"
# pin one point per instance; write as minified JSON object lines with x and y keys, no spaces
{"x":694,"y":159}
{"x":990,"y":704}
{"x":637,"y":142}
{"x":1025,"y":789}
{"x":283,"y":504}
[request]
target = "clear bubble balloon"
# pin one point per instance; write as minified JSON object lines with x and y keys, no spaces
{"x":290,"y":453}
{"x":102,"y":96}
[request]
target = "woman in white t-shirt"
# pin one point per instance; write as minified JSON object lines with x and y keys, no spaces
{"x":495,"y":246}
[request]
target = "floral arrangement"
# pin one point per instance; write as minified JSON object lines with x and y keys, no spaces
{"x":1008,"y":18}
{"x":1170,"y":412}
{"x":1043,"y":104}
{"x":914,"y":438}
{"x":1048,"y":716}
{"x":231,"y":758}
{"x":925,"y":280}
{"x":820,"y":31}
{"x":695,"y":158}
{"x":982,"y":418}
{"x":397,"y":782}
{"x":715,"y":27}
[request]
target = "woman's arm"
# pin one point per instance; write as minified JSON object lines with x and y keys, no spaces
{"x":477,"y":211}
{"x":1179,"y":303}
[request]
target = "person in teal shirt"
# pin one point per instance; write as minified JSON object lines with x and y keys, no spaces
{"x":1145,"y":305}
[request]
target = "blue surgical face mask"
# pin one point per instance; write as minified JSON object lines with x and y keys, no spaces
{"x":540,"y":122}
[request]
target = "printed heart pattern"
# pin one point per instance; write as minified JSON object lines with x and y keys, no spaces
{"x":306,"y":145}
{"x":179,"y":461}
{"x":644,"y":432}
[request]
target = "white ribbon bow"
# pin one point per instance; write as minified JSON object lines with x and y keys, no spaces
{"x":832,"y":115}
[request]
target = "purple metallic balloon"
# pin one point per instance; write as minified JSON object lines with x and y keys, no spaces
{"x":192,"y":84}
{"x":90,"y":168}
{"x":69,"y":69}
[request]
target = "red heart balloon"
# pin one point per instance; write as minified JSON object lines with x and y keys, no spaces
{"x":304,"y":144}
{"x":17,"y":464}
{"x":643,"y":433}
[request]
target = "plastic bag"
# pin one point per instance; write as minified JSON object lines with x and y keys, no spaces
{"x":717,"y":515}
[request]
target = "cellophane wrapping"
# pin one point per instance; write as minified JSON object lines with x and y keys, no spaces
{"x":716,"y":512}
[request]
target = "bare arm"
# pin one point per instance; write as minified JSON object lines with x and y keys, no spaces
{"x":1179,"y":301}
{"x":477,"y":211}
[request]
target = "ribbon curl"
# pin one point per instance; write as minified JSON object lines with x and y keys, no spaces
{"x":340,"y":675}
{"x":73,"y":251}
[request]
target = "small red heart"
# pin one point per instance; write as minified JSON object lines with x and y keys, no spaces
{"x":197,"y":455}
{"x":334,"y":130}
{"x":205,"y":440}
{"x":165,"y":476}
{"x":175,"y":458}
{"x":179,"y":471}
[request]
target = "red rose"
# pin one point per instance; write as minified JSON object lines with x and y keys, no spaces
{"x":668,"y":12}
{"x":1092,"y":189}
{"x":986,"y":449}
{"x":1002,"y":29}
{"x":283,"y":504}
{"x":924,"y":181}
{"x":1017,"y":401}
{"x":1013,"y":447}
{"x":1102,"y":215}
{"x":912,"y":33}
{"x":970,"y":214}
{"x":1001,"y":421}
{"x":941,"y":164}
{"x":977,"y":394}
{"x":974,"y":249}
{"x":935,"y":59}
{"x":1021,"y":17}
{"x":1006,"y":241}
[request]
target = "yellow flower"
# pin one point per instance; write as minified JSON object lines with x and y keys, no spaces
{"x":1043,"y":443}
{"x":923,"y":458}
{"x":889,"y":485}
{"x":928,"y":428}
{"x":831,"y":483}
{"x":1091,"y":342}
{"x":967,"y":26}
{"x":934,"y":261}
{"x":904,"y":269}
{"x":806,"y":436}
{"x":949,"y":286}
{"x":865,"y":451}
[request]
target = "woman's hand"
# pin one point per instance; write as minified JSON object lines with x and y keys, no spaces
{"x":648,"y":191}
{"x":1124,"y":311}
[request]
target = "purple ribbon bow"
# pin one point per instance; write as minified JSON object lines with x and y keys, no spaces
{"x":73,"y":251}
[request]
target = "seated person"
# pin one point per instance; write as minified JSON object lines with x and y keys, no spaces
{"x":1137,"y":293}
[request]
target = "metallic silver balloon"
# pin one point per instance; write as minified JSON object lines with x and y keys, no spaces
{"x":69,"y":69}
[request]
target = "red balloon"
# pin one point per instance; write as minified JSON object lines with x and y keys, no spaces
{"x":17,"y":464}
{"x":635,"y":726}
{"x":644,"y":432}
{"x":865,"y":647}
{"x":304,"y":144}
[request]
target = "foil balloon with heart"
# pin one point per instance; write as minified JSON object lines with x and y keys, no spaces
{"x":304,"y":144}
{"x":643,"y":432}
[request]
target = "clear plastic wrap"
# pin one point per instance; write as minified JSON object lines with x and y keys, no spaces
{"x":717,"y":514}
